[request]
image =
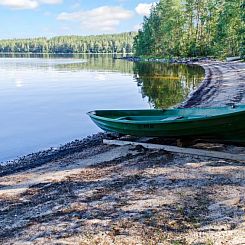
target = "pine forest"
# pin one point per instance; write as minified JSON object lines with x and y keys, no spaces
{"x":191,"y":28}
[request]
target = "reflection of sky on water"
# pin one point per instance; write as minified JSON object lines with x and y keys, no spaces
{"x":43,"y":104}
{"x":19,"y":83}
{"x":100,"y":77}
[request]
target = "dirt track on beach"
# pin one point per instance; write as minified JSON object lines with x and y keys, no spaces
{"x":98,"y":194}
{"x":224,"y":84}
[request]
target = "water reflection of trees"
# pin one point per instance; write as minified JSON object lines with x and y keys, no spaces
{"x":102,"y":63}
{"x":94,"y":62}
{"x":166,"y":85}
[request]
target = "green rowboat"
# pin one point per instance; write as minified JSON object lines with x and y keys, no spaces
{"x":221,"y":123}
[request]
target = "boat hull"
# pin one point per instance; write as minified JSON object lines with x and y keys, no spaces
{"x":224,"y":123}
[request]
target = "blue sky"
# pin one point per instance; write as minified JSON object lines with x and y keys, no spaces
{"x":36,"y":18}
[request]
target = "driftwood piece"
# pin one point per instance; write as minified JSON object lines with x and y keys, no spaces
{"x":190,"y":151}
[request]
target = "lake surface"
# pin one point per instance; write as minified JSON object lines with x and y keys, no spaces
{"x":44,"y":99}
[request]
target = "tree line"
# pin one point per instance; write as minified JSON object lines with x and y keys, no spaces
{"x":107,"y":43}
{"x":190,"y":28}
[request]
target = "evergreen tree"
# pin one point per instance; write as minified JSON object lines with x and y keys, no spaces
{"x":111,"y":43}
{"x":186,"y":28}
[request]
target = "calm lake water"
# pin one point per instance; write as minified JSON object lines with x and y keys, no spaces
{"x":44,"y":100}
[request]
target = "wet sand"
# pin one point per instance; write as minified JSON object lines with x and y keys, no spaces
{"x":224,"y":84}
{"x":89,"y":193}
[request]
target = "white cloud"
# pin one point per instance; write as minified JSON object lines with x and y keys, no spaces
{"x":20,"y":4}
{"x":26,"y":4}
{"x":50,"y":1}
{"x":103,"y":19}
{"x":144,"y":8}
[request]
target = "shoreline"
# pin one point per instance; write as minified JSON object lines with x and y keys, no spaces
{"x":195,"y":98}
{"x":85,"y":192}
{"x":222,"y":79}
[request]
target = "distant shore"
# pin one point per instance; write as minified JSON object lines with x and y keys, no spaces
{"x":87,"y":192}
{"x":30,"y":53}
{"x":186,"y":60}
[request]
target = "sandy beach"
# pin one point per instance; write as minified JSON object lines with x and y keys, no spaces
{"x":89,"y":193}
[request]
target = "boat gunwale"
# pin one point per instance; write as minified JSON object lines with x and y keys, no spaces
{"x":182,"y":120}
